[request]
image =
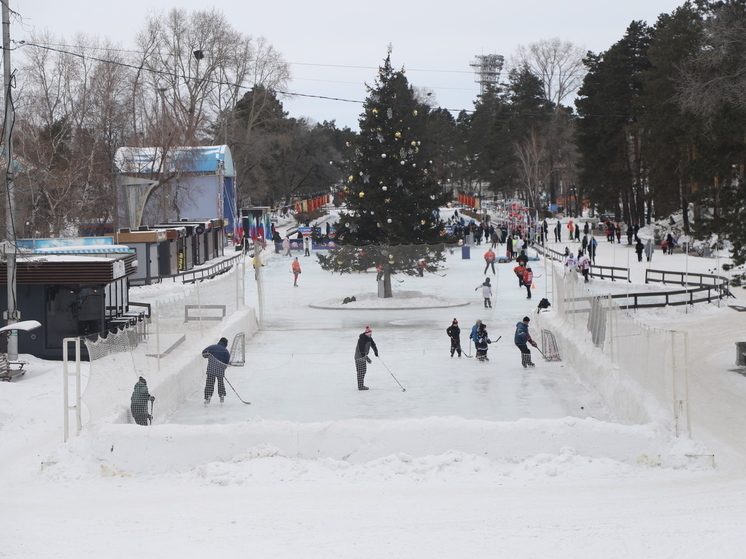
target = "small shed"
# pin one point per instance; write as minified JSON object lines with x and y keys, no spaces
{"x":71,"y":294}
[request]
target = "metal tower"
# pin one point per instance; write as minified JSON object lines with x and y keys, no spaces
{"x":487,"y":68}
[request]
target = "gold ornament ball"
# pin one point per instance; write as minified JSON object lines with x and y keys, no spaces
{"x":350,"y":178}
{"x":398,"y":134}
{"x":414,"y":112}
{"x":375,"y":111}
{"x":423,"y":222}
{"x":361,"y":194}
{"x":413,"y":144}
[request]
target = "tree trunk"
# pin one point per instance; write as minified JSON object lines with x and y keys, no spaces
{"x":386,"y":283}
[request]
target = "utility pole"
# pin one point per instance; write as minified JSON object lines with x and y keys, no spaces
{"x":10,"y":247}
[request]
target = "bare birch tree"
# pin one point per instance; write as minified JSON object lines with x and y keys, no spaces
{"x":558,"y":63}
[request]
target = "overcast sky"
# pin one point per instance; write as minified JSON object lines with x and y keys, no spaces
{"x":335,"y":46}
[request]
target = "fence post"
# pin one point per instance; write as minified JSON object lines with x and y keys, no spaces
{"x":66,"y":387}
{"x":158,"y":335}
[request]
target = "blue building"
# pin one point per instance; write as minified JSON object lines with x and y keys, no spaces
{"x":182,"y":183}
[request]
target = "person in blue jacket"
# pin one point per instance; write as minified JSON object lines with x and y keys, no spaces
{"x":522,"y":339}
{"x":218,"y":358}
{"x":474,"y":330}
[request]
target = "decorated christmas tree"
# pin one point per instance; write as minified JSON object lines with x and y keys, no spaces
{"x":391,"y":220}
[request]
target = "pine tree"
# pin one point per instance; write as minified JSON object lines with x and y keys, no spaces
{"x":392,"y":197}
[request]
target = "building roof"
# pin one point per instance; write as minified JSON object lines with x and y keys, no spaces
{"x":202,"y":160}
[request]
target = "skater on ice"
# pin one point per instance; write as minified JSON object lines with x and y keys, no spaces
{"x":486,"y":293}
{"x":218,"y":358}
{"x":522,"y":339}
{"x":364,"y":344}
{"x":489,"y":259}
{"x":474,"y":329}
{"x":454,"y":333}
{"x":296,"y":271}
{"x":481,"y":342}
{"x":528,"y":281}
{"x":139,"y":402}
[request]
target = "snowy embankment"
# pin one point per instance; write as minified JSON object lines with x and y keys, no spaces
{"x":427,"y":449}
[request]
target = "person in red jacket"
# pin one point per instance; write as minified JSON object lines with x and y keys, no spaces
{"x":489,"y":258}
{"x":296,"y":271}
{"x":528,"y":280}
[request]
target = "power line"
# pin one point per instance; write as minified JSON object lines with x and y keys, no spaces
{"x":293,"y":93}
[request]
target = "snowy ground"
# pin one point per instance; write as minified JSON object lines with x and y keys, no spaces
{"x":472,"y":460}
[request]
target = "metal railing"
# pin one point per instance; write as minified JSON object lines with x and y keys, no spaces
{"x":197,"y":274}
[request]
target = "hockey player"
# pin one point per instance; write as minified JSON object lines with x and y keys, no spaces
{"x":486,"y":293}
{"x":528,"y":281}
{"x":481,"y":343}
{"x":584,"y":263}
{"x":364,"y":344}
{"x":474,"y":329}
{"x":218,"y":357}
{"x":519,"y":271}
{"x":522,"y":338}
{"x":454,"y":333}
{"x":139,"y":402}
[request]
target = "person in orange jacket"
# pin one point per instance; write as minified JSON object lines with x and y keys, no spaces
{"x":519,"y":270}
{"x":489,"y":259}
{"x":528,"y":280}
{"x":296,"y":271}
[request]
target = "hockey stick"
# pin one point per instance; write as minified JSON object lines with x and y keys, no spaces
{"x":234,"y":390}
{"x":392,"y":374}
{"x":536,"y":347}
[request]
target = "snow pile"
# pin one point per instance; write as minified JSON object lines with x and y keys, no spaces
{"x":421,"y":450}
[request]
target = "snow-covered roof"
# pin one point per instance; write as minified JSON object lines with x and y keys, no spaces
{"x":84,"y":249}
{"x":185,"y":159}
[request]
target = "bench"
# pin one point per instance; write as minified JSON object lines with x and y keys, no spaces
{"x":10,"y":369}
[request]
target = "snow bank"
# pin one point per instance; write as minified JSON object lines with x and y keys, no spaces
{"x":419,"y":449}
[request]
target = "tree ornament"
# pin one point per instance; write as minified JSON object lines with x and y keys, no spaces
{"x":413,"y":144}
{"x":422,"y":222}
{"x":348,"y":144}
{"x":388,"y":220}
{"x":403,"y":162}
{"x":388,"y":200}
{"x":340,"y":262}
{"x":374,"y":111}
{"x":414,"y":112}
{"x":383,"y":155}
{"x":398,"y":134}
{"x":361,"y":194}
{"x":350,"y":178}
{"x":384,"y":188}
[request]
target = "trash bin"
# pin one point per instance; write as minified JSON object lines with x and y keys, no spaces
{"x":465,"y":253}
{"x":741,"y":354}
